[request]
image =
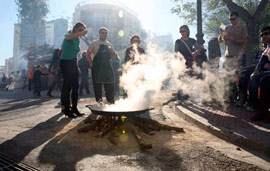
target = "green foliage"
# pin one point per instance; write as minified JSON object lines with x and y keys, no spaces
{"x":31,"y":11}
{"x":186,"y":10}
{"x":38,"y":51}
{"x":215,"y":12}
{"x":264,"y":20}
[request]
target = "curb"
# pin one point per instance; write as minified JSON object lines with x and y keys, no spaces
{"x":222,"y":132}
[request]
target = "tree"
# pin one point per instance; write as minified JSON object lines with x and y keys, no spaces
{"x":38,"y":54}
{"x":31,"y":15}
{"x":31,"y":11}
{"x":252,"y":12}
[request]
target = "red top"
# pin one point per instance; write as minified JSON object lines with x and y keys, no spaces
{"x":31,"y":73}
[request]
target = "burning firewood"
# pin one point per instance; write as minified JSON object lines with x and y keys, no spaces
{"x":142,"y":144}
{"x":112,"y":123}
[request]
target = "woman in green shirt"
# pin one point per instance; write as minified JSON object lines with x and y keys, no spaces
{"x":69,"y":69}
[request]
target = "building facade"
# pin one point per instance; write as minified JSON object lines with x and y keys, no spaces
{"x":26,"y":37}
{"x":9,"y":66}
{"x":121,"y":21}
{"x":164,"y":42}
{"x":2,"y":71}
{"x":55,"y":32}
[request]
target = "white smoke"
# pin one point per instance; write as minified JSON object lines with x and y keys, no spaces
{"x":144,"y":81}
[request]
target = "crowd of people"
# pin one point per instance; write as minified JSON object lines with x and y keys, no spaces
{"x":252,"y":85}
{"x":251,"y":90}
{"x":8,"y":83}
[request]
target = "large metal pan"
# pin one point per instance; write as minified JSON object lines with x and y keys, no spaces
{"x":98,"y":110}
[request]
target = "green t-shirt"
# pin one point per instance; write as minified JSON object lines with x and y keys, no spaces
{"x":70,"y":48}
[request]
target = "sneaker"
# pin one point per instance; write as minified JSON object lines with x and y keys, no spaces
{"x":76,"y":112}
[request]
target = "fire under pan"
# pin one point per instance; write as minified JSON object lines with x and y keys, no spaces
{"x":115,"y":123}
{"x":9,"y":164}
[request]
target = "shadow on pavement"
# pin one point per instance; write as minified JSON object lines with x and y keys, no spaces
{"x":243,"y":114}
{"x":234,"y":124}
{"x":25,"y":104}
{"x":22,"y":144}
{"x":74,"y":151}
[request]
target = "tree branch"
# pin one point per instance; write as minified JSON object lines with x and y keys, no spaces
{"x":243,"y":14}
{"x":260,"y":9}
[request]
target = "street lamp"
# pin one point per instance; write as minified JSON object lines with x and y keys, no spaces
{"x":199,"y":34}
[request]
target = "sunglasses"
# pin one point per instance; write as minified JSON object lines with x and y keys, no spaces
{"x":264,"y":34}
{"x":232,"y":19}
{"x":135,"y":40}
{"x":103,"y":32}
{"x":183,"y":31}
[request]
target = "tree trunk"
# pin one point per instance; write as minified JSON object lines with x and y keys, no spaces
{"x":250,"y":44}
{"x":251,"y":22}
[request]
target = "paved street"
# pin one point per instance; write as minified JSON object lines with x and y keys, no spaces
{"x":34,"y":131}
{"x":232,"y":123}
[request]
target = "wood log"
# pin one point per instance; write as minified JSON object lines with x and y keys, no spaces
{"x":154,"y":125}
{"x":112,"y":139}
{"x":86,"y":128}
{"x":108,"y":128}
{"x":171,"y":128}
{"x":142,"y":145}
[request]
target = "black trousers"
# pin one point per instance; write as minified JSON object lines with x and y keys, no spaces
{"x":56,"y":81}
{"x":38,"y":86}
{"x":70,"y":74}
{"x":84,"y":84}
{"x":243,"y":82}
{"x":30,"y":81}
{"x":109,"y":91}
{"x":264,"y":101}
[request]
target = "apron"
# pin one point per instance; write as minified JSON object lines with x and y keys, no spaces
{"x":102,"y":71}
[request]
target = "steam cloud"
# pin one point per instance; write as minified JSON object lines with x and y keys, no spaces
{"x":145,"y":80}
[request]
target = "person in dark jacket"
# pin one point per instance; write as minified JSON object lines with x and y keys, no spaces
{"x":133,"y":49}
{"x":262,"y":69}
{"x":116,"y":65}
{"x":37,"y":80}
{"x":55,"y":70}
{"x":187,"y":46}
{"x":84,"y":68}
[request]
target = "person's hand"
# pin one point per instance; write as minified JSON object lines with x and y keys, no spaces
{"x":226,"y":37}
{"x":253,"y":74}
{"x":194,"y":55}
{"x":111,"y":51}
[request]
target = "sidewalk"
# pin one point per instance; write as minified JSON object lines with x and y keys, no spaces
{"x":233,"y":125}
